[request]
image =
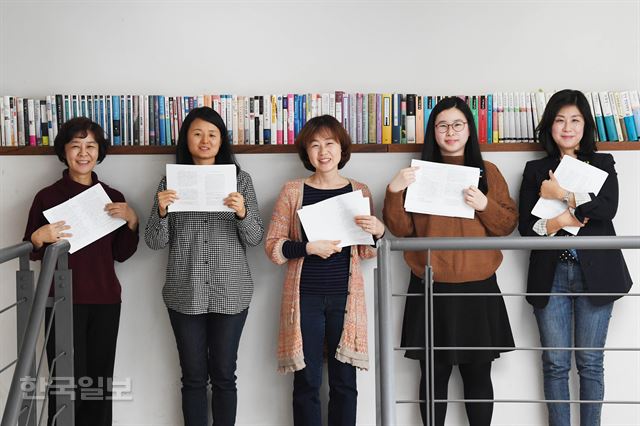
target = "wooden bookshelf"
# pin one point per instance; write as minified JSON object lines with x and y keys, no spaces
{"x":280,"y":149}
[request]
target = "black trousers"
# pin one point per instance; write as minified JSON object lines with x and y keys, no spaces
{"x":95,"y":332}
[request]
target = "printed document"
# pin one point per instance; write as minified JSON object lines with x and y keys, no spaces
{"x":334,"y":219}
{"x":201,"y":188}
{"x":438,"y":189}
{"x":86,"y":216}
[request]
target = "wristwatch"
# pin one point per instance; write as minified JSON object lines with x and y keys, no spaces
{"x":565,"y":198}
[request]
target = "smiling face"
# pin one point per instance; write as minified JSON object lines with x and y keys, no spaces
{"x":81,"y":154}
{"x":567,"y":129}
{"x":203,"y":141}
{"x":451,"y":131}
{"x":324,"y":153}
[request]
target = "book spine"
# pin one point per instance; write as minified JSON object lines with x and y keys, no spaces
{"x":115,"y":105}
{"x":291,"y":137}
{"x":597,"y":113}
{"x":635,"y":109}
{"x":31,"y":122}
{"x":501,"y":123}
{"x":529,"y":107}
{"x":625,"y":101}
{"x":589,"y":97}
{"x":482,"y":118}
{"x":338,"y":106}
{"x":44,"y":124}
{"x":614,"y":97}
{"x":387,"y":115}
{"x":395,"y":118}
{"x":607,"y":114}
{"x":20,"y":111}
{"x":363,"y":107}
{"x":279,"y":118}
{"x":379,"y":107}
{"x":49,"y":107}
{"x":410,"y":121}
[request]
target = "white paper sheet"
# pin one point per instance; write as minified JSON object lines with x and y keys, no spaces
{"x":86,"y":216}
{"x":333,"y":219}
{"x":574,"y":176}
{"x":201,"y":188}
{"x":438,"y":189}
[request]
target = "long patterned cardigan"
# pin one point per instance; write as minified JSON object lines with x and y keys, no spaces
{"x":285,"y":226}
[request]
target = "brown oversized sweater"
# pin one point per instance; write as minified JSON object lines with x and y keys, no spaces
{"x":456,"y":266}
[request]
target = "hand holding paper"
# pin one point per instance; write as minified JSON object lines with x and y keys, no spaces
{"x":574,"y":176}
{"x":201,"y":188}
{"x":334,"y":220}
{"x":85,"y":214}
{"x":439,"y":189}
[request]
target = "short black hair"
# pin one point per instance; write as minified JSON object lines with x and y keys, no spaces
{"x":556,"y":103}
{"x":317,"y":125}
{"x":79,"y":127}
{"x":472,"y":154}
{"x":225,"y":154}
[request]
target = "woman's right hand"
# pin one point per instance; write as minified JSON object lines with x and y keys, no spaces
{"x":165,"y":198}
{"x":404,"y":178}
{"x":49,"y":234}
{"x":323,"y":248}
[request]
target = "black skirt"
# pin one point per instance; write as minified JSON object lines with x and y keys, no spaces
{"x":474,"y":321}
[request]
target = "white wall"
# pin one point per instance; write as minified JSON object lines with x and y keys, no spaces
{"x":255,"y":47}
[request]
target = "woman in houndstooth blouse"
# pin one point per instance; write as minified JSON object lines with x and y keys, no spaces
{"x":208,"y":284}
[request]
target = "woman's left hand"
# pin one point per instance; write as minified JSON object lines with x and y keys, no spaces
{"x":475,"y":198}
{"x":235,"y":201}
{"x":370,"y":224}
{"x":123,"y":211}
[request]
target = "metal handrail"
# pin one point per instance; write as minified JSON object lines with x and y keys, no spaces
{"x":384,"y":325}
{"x":26,"y":357}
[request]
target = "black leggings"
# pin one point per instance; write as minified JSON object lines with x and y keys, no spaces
{"x":476,"y":379}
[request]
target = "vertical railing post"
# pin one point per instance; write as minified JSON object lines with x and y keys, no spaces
{"x":64,"y":343}
{"x":376,"y":301}
{"x":385,"y":320}
{"x":25,"y":290}
{"x":429,"y":341}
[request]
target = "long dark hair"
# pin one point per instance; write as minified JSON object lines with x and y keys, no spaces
{"x":556,"y":103}
{"x":472,"y":155}
{"x":225,"y":154}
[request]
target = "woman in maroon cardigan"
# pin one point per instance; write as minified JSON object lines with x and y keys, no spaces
{"x":80,"y":144}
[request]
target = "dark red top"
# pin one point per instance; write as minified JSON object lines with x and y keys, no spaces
{"x":93,"y":273}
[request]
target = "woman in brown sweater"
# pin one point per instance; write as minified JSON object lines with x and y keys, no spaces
{"x":479,"y":321}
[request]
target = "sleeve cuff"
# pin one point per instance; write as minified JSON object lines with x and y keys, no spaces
{"x":581,"y":198}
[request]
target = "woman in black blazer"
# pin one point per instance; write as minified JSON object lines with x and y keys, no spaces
{"x":567,"y":128}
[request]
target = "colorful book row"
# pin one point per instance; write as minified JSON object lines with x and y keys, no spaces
{"x":369,"y":118}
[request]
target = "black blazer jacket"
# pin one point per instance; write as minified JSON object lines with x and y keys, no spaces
{"x":604,"y":271}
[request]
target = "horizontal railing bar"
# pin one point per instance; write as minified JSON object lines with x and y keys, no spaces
{"x":11,"y":252}
{"x":513,"y":348}
{"x":515,"y":294}
{"x":520,"y":401}
{"x":514,"y":243}
{"x":8,"y":365}
{"x":13,"y":305}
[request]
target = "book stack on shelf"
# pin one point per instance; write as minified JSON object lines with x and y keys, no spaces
{"x":370,"y":118}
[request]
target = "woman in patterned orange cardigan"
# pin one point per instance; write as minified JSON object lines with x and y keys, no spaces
{"x":323,"y":299}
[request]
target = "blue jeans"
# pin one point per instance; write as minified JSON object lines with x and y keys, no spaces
{"x":590,"y":324}
{"x":322,"y":317}
{"x":208,"y":349}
